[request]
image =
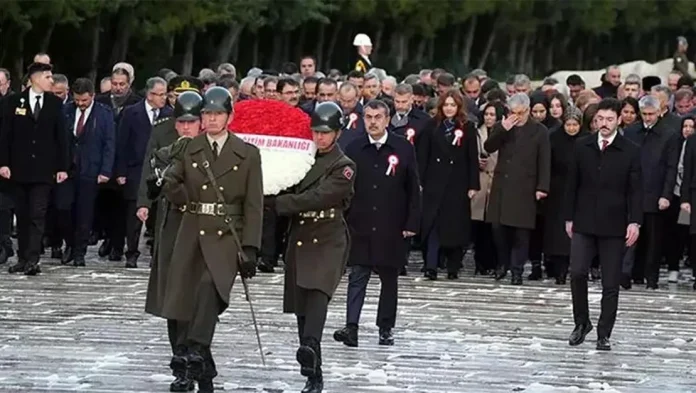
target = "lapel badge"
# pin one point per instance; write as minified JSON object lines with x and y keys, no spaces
{"x":393,"y":161}
{"x":410,"y":134}
{"x":458,"y":134}
{"x":206,"y":164}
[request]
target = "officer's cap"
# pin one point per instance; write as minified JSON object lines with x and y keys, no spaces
{"x":180,"y":84}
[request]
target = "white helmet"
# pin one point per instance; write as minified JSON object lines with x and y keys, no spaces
{"x":362,"y":40}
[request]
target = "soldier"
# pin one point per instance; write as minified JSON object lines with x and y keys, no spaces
{"x":384,"y":215}
{"x":216,"y":179}
{"x":363,"y":43}
{"x":163,"y":134}
{"x":680,"y":62}
{"x":186,"y":123}
{"x":318,"y":239}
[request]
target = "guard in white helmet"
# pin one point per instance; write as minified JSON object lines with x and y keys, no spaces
{"x":362,"y":61}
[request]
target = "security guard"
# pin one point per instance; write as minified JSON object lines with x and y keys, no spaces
{"x":318,"y":239}
{"x":216,"y":179}
{"x":187,"y":123}
{"x":384,"y":215}
{"x":680,"y":62}
{"x":363,"y":43}
{"x":163,"y":134}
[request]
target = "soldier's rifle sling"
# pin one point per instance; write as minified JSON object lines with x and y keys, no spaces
{"x":241,"y":257}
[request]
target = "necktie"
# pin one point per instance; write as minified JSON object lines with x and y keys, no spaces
{"x":215,"y":150}
{"x":80,"y":124}
{"x":154,"y":115}
{"x":37,"y":107}
{"x":605,"y":143}
{"x":378,"y":145}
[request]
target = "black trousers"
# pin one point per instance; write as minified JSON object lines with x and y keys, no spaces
{"x":583,"y":248}
{"x":110,"y":213}
{"x":675,"y":236}
{"x":513,"y":247}
{"x":208,"y":303}
{"x":692,"y":252}
{"x":75,"y":212}
{"x":6,"y":214}
{"x":434,"y":252}
{"x":130,"y":228}
{"x":272,"y":236}
{"x":31,"y":202}
{"x":485,"y":254}
{"x":648,"y":250}
{"x":311,"y":306}
{"x":536,"y":240}
{"x":358,"y":279}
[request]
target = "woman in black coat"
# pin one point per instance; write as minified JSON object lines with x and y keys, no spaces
{"x":448,"y":165}
{"x":556,"y":241}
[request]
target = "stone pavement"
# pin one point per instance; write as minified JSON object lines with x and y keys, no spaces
{"x":84,"y":329}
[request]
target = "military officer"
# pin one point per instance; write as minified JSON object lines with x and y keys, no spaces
{"x":318,"y":239}
{"x":187,"y":123}
{"x":363,"y":44}
{"x":216,"y":179}
{"x":163,"y":134}
{"x":384,"y":215}
{"x":680,"y":62}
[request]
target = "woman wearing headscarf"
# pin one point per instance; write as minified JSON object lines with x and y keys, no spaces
{"x":556,"y":241}
{"x":485,"y":254}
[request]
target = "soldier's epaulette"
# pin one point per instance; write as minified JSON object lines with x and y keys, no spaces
{"x":162,"y":120}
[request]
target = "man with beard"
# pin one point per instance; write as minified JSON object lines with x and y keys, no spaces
{"x":289,"y":90}
{"x":215,"y":178}
{"x":186,"y":124}
{"x":353,"y":123}
{"x":408,"y":121}
{"x":318,"y":239}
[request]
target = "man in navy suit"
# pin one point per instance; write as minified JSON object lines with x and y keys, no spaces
{"x":134,"y":130}
{"x":34,"y":156}
{"x":353,"y":122}
{"x":92,"y":134}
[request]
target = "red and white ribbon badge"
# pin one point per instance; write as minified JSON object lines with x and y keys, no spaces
{"x":410,"y":133}
{"x":352,"y":121}
{"x":393,"y":162}
{"x":458,"y":134}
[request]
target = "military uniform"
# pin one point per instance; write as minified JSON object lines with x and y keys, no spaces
{"x":362,"y":64}
{"x":318,"y":244}
{"x":680,"y":63}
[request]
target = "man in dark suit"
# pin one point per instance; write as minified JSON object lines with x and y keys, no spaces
{"x":327,"y":90}
{"x":603,"y":213}
{"x":133,"y":134}
{"x":6,"y":199}
{"x":659,"y":155}
{"x":34,"y":155}
{"x":92,"y":134}
{"x":407,"y":120}
{"x":384,"y":215}
{"x":353,"y":123}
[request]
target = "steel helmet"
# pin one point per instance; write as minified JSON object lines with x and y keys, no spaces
{"x":188,"y":106}
{"x":362,"y":40}
{"x":327,"y":117}
{"x":217,"y":99}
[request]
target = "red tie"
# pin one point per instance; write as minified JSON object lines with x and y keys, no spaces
{"x":80,"y":124}
{"x":605,"y":143}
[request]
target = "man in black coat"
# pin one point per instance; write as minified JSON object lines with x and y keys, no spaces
{"x":384,"y":214}
{"x":34,"y":155}
{"x":659,"y":155}
{"x":603,"y":213}
{"x":408,"y":121}
{"x":6,"y":201}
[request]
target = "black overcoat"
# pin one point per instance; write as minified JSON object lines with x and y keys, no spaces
{"x":688,"y":186}
{"x":448,"y":171}
{"x":384,"y":205}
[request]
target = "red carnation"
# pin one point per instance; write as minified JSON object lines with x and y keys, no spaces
{"x":270,"y":117}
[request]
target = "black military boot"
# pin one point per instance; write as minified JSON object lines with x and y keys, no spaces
{"x":132,"y":259}
{"x":182,"y":383}
{"x":205,"y":382}
{"x":348,"y":335}
{"x":536,"y":274}
{"x":315,"y":384}
{"x":385,"y":336}
{"x":195,"y":363}
{"x":309,"y":356}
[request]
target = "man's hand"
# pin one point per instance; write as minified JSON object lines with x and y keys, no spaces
{"x":61,"y":176}
{"x":569,"y":229}
{"x":408,"y":234}
{"x":121,"y":180}
{"x":482,"y":163}
{"x":247,"y":269}
{"x":143,"y":213}
{"x":509,"y":122}
{"x":540,"y":195}
{"x":663,"y":203}
{"x":471,"y":193}
{"x":632,"y":232}
{"x":101,"y":179}
{"x":686,"y":207}
{"x":5,"y":172}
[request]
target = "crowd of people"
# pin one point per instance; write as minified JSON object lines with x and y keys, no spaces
{"x":432,"y":162}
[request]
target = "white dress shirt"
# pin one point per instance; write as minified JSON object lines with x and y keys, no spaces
{"x":610,"y":139}
{"x":32,"y":99}
{"x":78,"y":112}
{"x":151,"y":114}
{"x":220,"y":141}
{"x":379,"y":142}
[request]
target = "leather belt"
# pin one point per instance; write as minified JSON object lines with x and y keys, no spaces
{"x":211,"y":209}
{"x":329,"y":213}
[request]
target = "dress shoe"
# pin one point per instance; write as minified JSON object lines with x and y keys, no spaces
{"x":93,"y":239}
{"x":500,"y":273}
{"x":603,"y":344}
{"x":314,"y":384}
{"x":32,"y":269}
{"x":386,"y":337}
{"x":4,"y":255}
{"x":516,"y":280}
{"x":430,"y":274}
{"x":452,"y":276}
{"x":205,"y":386}
{"x":17,"y":267}
{"x":115,"y":255}
{"x":56,"y":253}
{"x":577,"y":337}
{"x":639,"y":280}
{"x":132,"y":260}
{"x":652,"y":285}
{"x":595,"y":274}
{"x":79,"y":261}
{"x":536,"y":273}
{"x":626,"y":282}
{"x":265,"y":267}
{"x":184,"y":384}
{"x":68,"y":256}
{"x":348,"y":335}
{"x":104,"y":249}
{"x":561,"y":280}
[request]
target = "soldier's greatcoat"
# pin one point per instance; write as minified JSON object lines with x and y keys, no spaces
{"x":318,"y":240}
{"x":205,"y":241}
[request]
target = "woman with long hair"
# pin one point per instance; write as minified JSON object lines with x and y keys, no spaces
{"x":558,"y":105}
{"x":448,"y":162}
{"x":630,"y":114}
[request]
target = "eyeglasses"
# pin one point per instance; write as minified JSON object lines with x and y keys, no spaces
{"x":158,"y":94}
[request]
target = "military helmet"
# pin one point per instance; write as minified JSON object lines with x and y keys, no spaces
{"x":217,"y":99}
{"x":188,"y":106}
{"x":327,"y":117}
